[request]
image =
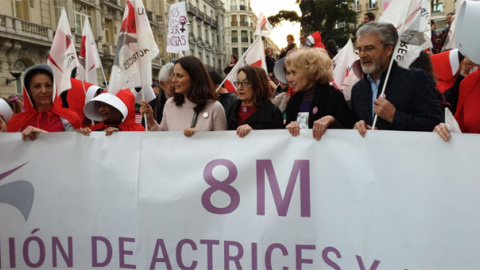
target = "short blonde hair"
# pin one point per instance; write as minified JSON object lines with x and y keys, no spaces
{"x":313,"y":63}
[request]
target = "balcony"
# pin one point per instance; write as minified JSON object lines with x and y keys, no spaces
{"x":192,"y":9}
{"x":244,"y":24}
{"x":24,"y":29}
{"x":371,"y":5}
{"x":234,"y":24}
{"x":201,"y":15}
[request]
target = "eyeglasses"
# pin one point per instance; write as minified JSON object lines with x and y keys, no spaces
{"x":242,"y":84}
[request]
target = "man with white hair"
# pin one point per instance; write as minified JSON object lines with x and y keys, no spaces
{"x":409,"y":104}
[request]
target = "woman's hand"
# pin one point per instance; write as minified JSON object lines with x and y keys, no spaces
{"x":293,"y":128}
{"x":30,"y":133}
{"x":321,"y":125}
{"x":84,"y":130}
{"x":243,"y":130}
{"x":3,"y":125}
{"x":188,"y":132}
{"x":145,"y":108}
{"x":110,"y":130}
{"x":442,"y":130}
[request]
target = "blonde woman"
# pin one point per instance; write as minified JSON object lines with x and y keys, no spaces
{"x":316,"y":104}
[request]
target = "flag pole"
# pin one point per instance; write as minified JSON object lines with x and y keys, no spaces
{"x":391,"y":62}
{"x":238,"y":63}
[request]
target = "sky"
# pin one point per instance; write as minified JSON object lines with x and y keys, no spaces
{"x":280,"y":32}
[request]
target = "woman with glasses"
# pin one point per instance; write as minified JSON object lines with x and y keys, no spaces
{"x":316,"y":104}
{"x":193,"y":106}
{"x":253,"y":109}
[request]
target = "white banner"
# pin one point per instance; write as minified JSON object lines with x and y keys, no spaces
{"x":159,"y":200}
{"x":177,"y":38}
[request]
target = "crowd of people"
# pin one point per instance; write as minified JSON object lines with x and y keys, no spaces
{"x":187,"y":99}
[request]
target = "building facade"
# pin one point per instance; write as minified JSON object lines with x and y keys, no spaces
{"x":240,"y":24}
{"x":27,"y":29}
{"x":206,"y":32}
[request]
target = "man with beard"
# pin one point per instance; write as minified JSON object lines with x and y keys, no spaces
{"x":409,"y":103}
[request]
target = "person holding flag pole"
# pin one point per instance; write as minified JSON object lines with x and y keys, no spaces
{"x":136,"y":48}
{"x":409,"y":102}
{"x":379,"y":46}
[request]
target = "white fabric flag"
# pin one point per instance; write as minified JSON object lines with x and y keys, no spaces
{"x":177,"y":38}
{"x":88,"y":56}
{"x":385,"y":4}
{"x":136,"y":48}
{"x":254,"y":56}
{"x":63,"y":57}
{"x":343,"y":76}
{"x":263,"y":27}
{"x":451,"y":122}
{"x":416,"y":34}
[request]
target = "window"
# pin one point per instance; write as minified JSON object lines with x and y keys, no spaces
{"x":244,"y":49}
{"x":242,"y":5}
{"x":234,"y":20}
{"x":234,"y":36}
{"x":244,"y":36}
{"x":234,"y":51}
{"x":437,"y":6}
{"x":243,"y":20}
{"x":21,"y":10}
{"x":109,"y":38}
{"x":80,"y":13}
{"x":372,"y":4}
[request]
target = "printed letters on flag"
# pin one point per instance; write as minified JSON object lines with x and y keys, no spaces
{"x":63,"y":57}
{"x":416,"y":34}
{"x":136,"y":47}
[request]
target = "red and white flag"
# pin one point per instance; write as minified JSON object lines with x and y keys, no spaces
{"x":254,"y":56}
{"x":136,"y":48}
{"x":415,"y":36}
{"x":88,"y":56}
{"x":63,"y":57}
{"x":343,"y":75}
{"x":263,"y":27}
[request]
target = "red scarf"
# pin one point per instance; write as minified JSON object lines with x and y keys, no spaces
{"x":468,"y":107}
{"x":46,"y":120}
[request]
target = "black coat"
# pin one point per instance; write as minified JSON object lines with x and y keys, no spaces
{"x":413,"y":94}
{"x":327,"y":100}
{"x":267,"y":116}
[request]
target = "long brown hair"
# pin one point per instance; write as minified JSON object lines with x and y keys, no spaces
{"x":201,"y":86}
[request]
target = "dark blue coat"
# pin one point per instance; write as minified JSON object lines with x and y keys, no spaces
{"x":411,"y":91}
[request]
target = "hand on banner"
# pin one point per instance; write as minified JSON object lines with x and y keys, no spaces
{"x":84,"y":130}
{"x":188,"y":132}
{"x":110,"y":130}
{"x":243,"y":130}
{"x":320,"y":126}
{"x":293,"y":128}
{"x":145,"y":108}
{"x":384,"y":109}
{"x":30,"y":133}
{"x":442,"y":130}
{"x":3,"y":125}
{"x":362,"y":127}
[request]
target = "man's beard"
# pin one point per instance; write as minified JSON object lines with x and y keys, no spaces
{"x":377,"y":65}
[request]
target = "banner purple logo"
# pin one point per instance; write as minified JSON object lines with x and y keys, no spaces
{"x":18,"y":194}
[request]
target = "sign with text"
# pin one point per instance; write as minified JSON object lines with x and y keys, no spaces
{"x":159,"y":200}
{"x":177,"y":37}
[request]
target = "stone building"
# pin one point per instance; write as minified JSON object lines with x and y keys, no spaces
{"x":27,"y":29}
